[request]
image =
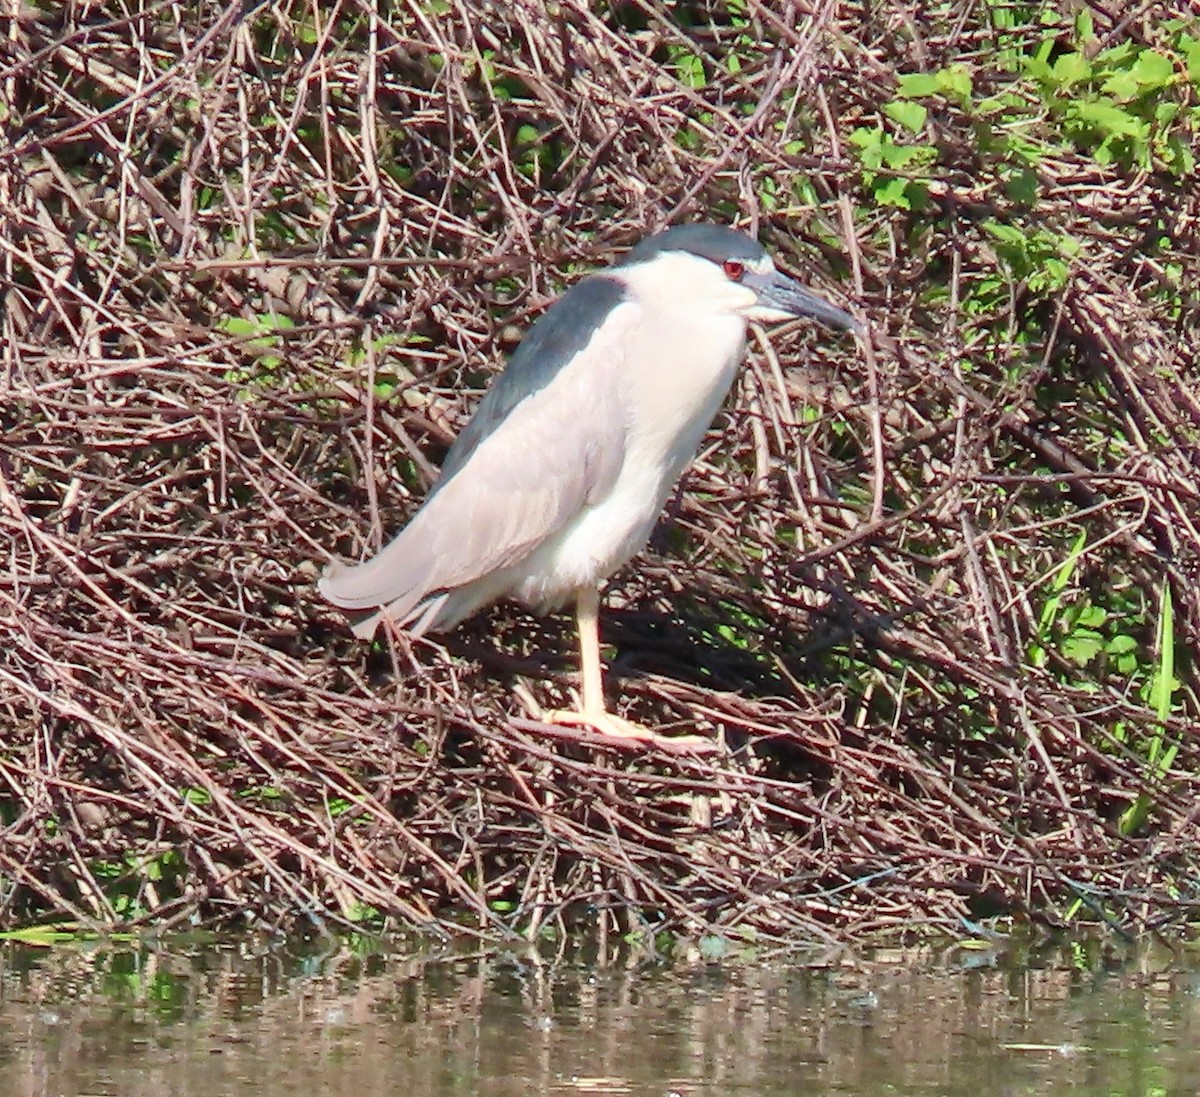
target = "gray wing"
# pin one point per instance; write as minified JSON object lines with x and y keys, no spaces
{"x":547,"y":441}
{"x":561,"y":335}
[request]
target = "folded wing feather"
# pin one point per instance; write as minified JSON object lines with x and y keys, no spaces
{"x":552,"y":453}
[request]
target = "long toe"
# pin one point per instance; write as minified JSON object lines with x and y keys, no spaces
{"x":610,"y":726}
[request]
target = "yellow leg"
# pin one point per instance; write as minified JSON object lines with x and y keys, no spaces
{"x":593,"y":713}
{"x":587,"y":621}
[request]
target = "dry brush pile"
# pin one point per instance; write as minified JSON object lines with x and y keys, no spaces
{"x":936,"y":595}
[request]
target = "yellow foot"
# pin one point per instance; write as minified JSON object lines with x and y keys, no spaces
{"x":610,"y":726}
{"x":606,"y":723}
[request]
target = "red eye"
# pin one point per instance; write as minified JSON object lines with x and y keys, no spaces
{"x":734,"y":269}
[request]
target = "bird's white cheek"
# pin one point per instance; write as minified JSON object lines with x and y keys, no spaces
{"x":766,"y":313}
{"x":742,"y":300}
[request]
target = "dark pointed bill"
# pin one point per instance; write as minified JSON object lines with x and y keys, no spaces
{"x":778,"y":291}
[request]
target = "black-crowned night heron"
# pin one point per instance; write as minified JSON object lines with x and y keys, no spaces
{"x":558,"y":478}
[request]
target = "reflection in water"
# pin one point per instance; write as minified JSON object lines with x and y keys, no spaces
{"x":217,"y":1023}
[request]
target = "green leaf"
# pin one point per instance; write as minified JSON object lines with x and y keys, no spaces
{"x":1166,"y":112}
{"x":238,"y":325}
{"x":1165,"y":682}
{"x":1161,"y":753}
{"x":1108,"y":118}
{"x":43,"y":936}
{"x":1005,"y":234}
{"x":1190,"y":48}
{"x":1022,"y":186}
{"x":1154,"y":70}
{"x":805,"y":191}
{"x":1121,"y":85}
{"x":917,"y":85}
{"x":689,"y":70}
{"x":1116,"y":57}
{"x":1070,"y":69}
{"x":894,"y":192}
{"x":1037,"y":69}
{"x":954,"y":81}
{"x":900,"y":157}
{"x":869,"y":142}
{"x":1179,"y":157}
{"x":907,"y":114}
{"x":1121,"y":645}
{"x":1151,"y":71}
{"x":1082,"y":646}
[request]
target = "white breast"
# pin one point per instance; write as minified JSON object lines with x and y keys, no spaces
{"x":679,"y":369}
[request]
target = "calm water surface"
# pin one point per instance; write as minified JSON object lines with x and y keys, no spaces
{"x":109,"y":1021}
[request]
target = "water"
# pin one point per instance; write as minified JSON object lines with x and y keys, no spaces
{"x":125,"y":1022}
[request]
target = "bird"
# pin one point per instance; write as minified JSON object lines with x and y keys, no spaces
{"x":558,"y":478}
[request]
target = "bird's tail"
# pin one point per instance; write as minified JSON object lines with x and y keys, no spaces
{"x":398,"y":578}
